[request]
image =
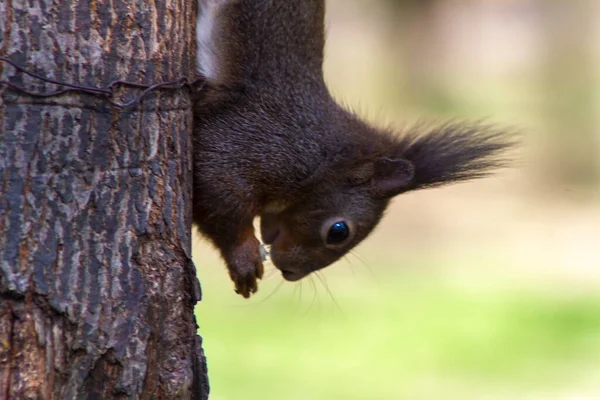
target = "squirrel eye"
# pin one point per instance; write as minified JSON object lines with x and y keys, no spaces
{"x":338,"y":233}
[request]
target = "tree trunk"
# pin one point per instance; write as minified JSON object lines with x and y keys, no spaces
{"x":97,"y":286}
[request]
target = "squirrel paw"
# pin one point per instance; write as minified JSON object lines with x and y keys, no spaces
{"x":245,"y":267}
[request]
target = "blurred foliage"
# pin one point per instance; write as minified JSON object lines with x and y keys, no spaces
{"x":438,"y":53}
{"x":424,"y":338}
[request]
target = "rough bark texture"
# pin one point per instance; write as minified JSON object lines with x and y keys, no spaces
{"x":97,"y":287}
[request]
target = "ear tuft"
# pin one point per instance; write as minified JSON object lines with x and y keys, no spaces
{"x":454,"y":152}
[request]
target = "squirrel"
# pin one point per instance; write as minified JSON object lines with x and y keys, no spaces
{"x":270,"y":141}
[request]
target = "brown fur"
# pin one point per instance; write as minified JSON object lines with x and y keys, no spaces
{"x":270,"y":140}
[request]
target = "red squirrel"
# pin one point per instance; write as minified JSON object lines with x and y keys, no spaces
{"x":270,"y":141}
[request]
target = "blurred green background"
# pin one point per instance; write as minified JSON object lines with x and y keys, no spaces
{"x":484,"y":290}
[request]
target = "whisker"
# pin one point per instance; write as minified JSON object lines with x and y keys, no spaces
{"x":326,"y":286}
{"x":270,"y":273}
{"x":314,"y":286}
{"x":350,"y":264}
{"x":359,"y":258}
{"x":299,"y":300}
{"x":365,"y":264}
{"x":319,"y":304}
{"x":297,"y":294}
{"x":272,"y":292}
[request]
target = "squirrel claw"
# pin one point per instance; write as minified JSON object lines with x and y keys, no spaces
{"x":245,"y":279}
{"x":245,"y":268}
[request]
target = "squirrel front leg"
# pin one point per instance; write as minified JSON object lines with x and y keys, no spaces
{"x":244,"y":261}
{"x":234,"y":236}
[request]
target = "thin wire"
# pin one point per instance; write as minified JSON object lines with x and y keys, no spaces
{"x":108,"y":92}
{"x":50,"y":80}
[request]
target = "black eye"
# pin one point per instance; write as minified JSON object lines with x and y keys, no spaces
{"x":338,"y":233}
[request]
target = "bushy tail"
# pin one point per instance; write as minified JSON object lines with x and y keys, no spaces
{"x":455,"y":152}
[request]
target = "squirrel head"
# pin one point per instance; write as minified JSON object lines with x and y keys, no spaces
{"x":334,"y":217}
{"x":347,"y":200}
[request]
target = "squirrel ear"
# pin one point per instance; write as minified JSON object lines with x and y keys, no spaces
{"x":387,"y":177}
{"x":392,"y":176}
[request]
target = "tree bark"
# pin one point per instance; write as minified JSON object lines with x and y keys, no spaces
{"x":97,"y":286}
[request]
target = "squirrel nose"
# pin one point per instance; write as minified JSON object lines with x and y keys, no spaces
{"x":269,"y":228}
{"x":292,"y":276}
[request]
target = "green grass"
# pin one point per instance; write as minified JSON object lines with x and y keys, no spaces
{"x":402,"y":337}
